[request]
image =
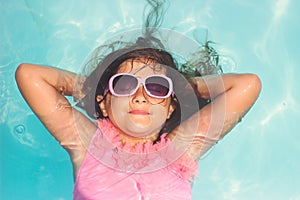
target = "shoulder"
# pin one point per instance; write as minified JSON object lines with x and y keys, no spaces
{"x":77,"y":137}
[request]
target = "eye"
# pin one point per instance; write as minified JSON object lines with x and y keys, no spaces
{"x":157,"y":89}
{"x":158,"y":86}
{"x":124,"y":84}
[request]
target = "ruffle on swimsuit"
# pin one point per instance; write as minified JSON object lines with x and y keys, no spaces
{"x":116,"y":170}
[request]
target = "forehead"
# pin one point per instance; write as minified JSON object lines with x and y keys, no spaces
{"x":141,"y":67}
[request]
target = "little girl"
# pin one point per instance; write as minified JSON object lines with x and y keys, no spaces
{"x":148,"y":118}
{"x":149,"y":134}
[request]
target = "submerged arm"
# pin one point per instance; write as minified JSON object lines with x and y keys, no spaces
{"x":44,"y":89}
{"x":232,"y":96}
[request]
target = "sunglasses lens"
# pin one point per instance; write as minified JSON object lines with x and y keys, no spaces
{"x":124,"y":84}
{"x":157,"y":86}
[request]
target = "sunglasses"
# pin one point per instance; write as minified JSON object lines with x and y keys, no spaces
{"x":125,"y":84}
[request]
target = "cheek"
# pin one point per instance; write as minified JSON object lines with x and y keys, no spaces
{"x":164,"y":105}
{"x":159,"y":112}
{"x":117,"y":107}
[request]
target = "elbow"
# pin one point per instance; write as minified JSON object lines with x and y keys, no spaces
{"x":22,"y":72}
{"x":254,"y":83}
{"x":250,"y":83}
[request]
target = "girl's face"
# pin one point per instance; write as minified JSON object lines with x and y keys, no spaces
{"x":138,"y":115}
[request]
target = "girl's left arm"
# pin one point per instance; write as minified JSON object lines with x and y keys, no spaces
{"x":232,"y":96}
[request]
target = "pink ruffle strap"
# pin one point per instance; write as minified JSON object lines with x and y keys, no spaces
{"x":184,"y":167}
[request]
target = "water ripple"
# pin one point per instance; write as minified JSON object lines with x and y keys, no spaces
{"x":19,"y":130}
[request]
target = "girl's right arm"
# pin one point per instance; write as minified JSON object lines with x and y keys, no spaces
{"x":44,"y":89}
{"x":232,"y":95}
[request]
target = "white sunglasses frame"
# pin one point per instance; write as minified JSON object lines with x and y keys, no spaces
{"x":141,"y":81}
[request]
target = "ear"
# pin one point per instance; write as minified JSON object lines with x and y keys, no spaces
{"x":101,"y":102}
{"x":171,"y":109}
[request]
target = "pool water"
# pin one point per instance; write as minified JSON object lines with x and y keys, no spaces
{"x":259,"y":159}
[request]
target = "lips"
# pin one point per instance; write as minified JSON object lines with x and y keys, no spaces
{"x":139,"y":112}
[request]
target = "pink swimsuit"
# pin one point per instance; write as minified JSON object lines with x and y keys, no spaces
{"x":112,"y":170}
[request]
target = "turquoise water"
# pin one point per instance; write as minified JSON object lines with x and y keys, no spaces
{"x":259,"y":159}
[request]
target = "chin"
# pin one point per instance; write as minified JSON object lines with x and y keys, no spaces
{"x":142,"y":131}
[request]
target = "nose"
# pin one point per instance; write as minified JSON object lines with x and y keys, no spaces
{"x":139,"y":95}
